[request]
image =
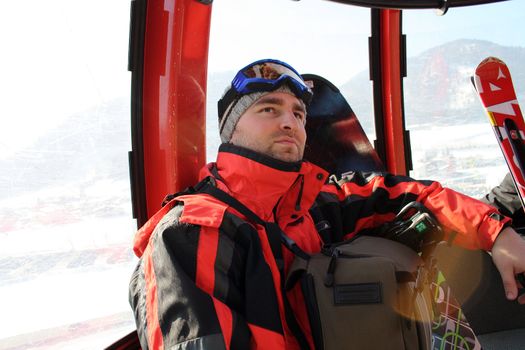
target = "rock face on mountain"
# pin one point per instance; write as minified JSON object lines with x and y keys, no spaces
{"x":441,"y":87}
{"x":437,"y":88}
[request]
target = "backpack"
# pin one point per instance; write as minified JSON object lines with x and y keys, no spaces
{"x":365,"y":293}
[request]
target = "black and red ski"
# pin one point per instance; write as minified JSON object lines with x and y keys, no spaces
{"x":493,"y":83}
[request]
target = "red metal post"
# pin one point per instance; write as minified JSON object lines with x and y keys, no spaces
{"x":174,"y":96}
{"x":392,"y":96}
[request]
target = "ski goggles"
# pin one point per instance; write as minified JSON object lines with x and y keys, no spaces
{"x":264,"y":75}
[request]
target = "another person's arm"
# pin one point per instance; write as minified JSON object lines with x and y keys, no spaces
{"x":505,"y":198}
{"x":508,"y":254}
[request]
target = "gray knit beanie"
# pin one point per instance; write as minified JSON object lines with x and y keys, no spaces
{"x":228,"y":121}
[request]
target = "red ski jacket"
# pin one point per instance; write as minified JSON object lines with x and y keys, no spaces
{"x":207,"y":278}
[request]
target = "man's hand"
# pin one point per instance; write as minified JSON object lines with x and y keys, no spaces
{"x":508,"y":254}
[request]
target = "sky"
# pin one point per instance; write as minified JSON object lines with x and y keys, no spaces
{"x":502,"y":23}
{"x":58,"y":58}
{"x":312,"y":35}
{"x":331,"y":39}
{"x":64,"y":56}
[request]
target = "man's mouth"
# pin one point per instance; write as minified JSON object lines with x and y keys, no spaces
{"x":286,"y":140}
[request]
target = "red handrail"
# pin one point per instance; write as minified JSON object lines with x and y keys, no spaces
{"x":392,"y":93}
{"x":174,"y":96}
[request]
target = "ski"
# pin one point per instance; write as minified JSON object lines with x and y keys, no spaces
{"x":494,"y":86}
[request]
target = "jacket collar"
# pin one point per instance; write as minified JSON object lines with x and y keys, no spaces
{"x":264,"y":184}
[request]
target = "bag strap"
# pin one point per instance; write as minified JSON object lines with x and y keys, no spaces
{"x":276,"y":237}
{"x":275,"y":232}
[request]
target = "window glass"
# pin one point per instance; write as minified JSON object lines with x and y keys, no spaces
{"x":452,"y":139}
{"x":65,"y":211}
{"x":318,"y":37}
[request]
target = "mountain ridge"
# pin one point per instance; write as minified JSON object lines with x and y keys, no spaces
{"x":437,"y":91}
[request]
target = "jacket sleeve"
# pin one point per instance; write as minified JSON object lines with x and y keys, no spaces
{"x":367,"y":200}
{"x":505,"y":198}
{"x":175,"y":307}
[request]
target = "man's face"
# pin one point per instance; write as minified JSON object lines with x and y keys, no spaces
{"x":275,"y":126}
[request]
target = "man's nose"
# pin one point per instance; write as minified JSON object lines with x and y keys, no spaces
{"x":288,"y":120}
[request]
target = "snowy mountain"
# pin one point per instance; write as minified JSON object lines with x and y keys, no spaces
{"x":437,"y":90}
{"x":71,"y":152}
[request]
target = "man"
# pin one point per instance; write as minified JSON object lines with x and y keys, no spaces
{"x":207,"y":277}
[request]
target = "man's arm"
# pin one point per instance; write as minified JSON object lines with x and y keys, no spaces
{"x":368,"y":200}
{"x":478,"y":225}
{"x":172,"y":291}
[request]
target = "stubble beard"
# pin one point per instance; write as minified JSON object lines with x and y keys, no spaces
{"x":271,"y":150}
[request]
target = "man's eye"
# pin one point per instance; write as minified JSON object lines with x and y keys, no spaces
{"x":268,"y":109}
{"x":299,"y":116}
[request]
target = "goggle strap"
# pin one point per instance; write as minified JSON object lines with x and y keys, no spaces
{"x":225,"y":101}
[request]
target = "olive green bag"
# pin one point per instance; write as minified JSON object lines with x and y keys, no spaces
{"x":366,"y":293}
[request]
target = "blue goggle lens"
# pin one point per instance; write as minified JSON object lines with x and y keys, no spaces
{"x":267,"y":73}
